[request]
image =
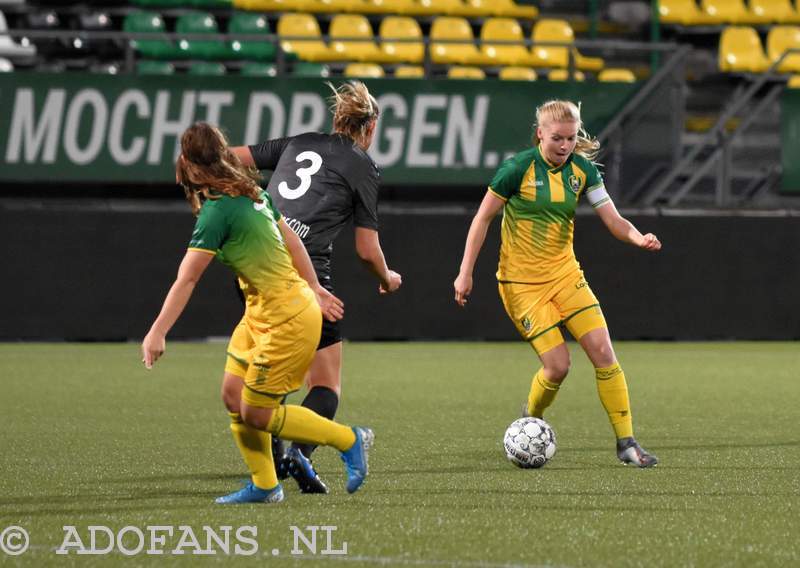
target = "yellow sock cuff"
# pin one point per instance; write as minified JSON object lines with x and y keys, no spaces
{"x":605,"y":373}
{"x":545,"y":383}
{"x":277,"y":420}
{"x":236,"y":418}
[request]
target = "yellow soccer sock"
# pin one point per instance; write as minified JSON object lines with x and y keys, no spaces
{"x":299,"y":424}
{"x":542,"y":394}
{"x":613,"y":391}
{"x":255,"y":447}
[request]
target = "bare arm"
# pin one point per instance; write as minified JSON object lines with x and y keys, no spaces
{"x":192,"y":266}
{"x":368,"y":249}
{"x":624,"y":230}
{"x":332,"y":307}
{"x":490,"y":206}
{"x":245,"y":155}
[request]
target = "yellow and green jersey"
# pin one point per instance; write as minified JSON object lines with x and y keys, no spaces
{"x":539,"y":214}
{"x":245,"y":236}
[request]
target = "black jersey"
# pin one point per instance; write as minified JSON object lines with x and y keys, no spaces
{"x":320,"y":182}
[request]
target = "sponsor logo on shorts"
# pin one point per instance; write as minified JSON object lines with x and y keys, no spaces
{"x":581,"y":284}
{"x":262,"y":374}
{"x":526,"y":324}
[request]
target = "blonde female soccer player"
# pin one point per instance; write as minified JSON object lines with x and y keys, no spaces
{"x":320,"y":183}
{"x":272,"y":346}
{"x":541,"y":283}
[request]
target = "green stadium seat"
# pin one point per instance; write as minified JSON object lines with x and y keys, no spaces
{"x":252,"y":69}
{"x":309,"y":69}
{"x":149,"y":22}
{"x":250,"y":24}
{"x":213,"y":68}
{"x":200,"y":23}
{"x":149,"y":67}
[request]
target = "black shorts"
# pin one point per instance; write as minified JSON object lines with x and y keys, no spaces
{"x":331,"y":331}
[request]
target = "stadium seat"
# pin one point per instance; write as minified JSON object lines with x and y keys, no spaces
{"x":740,"y":50}
{"x":5,"y":65}
{"x":517,"y":74}
{"x":11,"y":49}
{"x":354,"y":26}
{"x":372,"y":70}
{"x":449,"y":8}
{"x":779,"y":39}
{"x":403,"y":7}
{"x":401,"y":27}
{"x":507,"y":9}
{"x":504,"y":29}
{"x":243,"y":23}
{"x":685,"y":13}
{"x":149,"y":22}
{"x":554,"y":30}
{"x":563,"y":75}
{"x":149,"y":67}
{"x":304,"y":25}
{"x":458,"y":72}
{"x":616,"y":75}
{"x":452,"y":28}
{"x":252,"y":69}
{"x":309,"y":69}
{"x":793,"y":82}
{"x":93,"y":21}
{"x":262,"y":5}
{"x":104,"y":68}
{"x":409,"y":71}
{"x":778,"y":11}
{"x":214,"y":68}
{"x":200,"y":23}
{"x":731,"y":12}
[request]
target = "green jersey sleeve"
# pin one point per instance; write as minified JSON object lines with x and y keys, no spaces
{"x":275,"y":213}
{"x":211,"y":229}
{"x":507,"y":180}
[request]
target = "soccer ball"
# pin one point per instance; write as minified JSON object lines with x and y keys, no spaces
{"x":529,"y":442}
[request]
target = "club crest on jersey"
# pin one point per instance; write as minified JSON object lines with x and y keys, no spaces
{"x":526,"y":324}
{"x":574,"y":183}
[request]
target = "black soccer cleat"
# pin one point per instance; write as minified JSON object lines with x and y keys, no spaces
{"x":630,"y":452}
{"x":280,"y":458}
{"x":302,"y":471}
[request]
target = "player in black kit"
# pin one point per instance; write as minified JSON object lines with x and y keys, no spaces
{"x":319,"y":183}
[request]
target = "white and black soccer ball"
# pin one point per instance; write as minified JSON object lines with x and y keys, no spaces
{"x":529,"y":442}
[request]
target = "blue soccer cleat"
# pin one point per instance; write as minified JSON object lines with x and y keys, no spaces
{"x":252,"y":494}
{"x":355,"y":459}
{"x":300,"y":468}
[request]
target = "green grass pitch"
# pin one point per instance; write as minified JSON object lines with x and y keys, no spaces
{"x":91,"y":438}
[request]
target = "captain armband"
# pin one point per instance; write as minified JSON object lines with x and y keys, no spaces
{"x":597,"y":195}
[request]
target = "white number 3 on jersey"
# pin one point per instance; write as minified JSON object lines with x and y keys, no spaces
{"x":304,"y":174}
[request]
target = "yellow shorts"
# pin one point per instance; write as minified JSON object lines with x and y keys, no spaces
{"x":273,"y":361}
{"x":538,"y":309}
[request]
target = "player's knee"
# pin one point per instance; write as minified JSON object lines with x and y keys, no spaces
{"x":231,"y":397}
{"x":556,"y":371}
{"x":256,"y":417}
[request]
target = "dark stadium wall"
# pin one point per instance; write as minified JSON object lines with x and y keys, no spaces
{"x":102,"y":275}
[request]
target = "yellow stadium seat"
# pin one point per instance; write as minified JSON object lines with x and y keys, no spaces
{"x":517,"y":74}
{"x":731,"y":12}
{"x":409,"y":71}
{"x":458,"y":72}
{"x":261,"y":5}
{"x":401,"y":27}
{"x":740,"y":50}
{"x":504,"y":29}
{"x":464,"y":52}
{"x":778,"y":11}
{"x":793,"y":82}
{"x":484,"y":8}
{"x":779,"y":39}
{"x":685,"y":13}
{"x":616,"y":75}
{"x":450,"y":8}
{"x":553,"y":30}
{"x":505,"y":9}
{"x":354,"y":26}
{"x":326,"y":6}
{"x":563,"y":75}
{"x":371,"y":70}
{"x":387,"y":7}
{"x":304,"y":25}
